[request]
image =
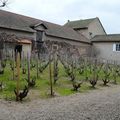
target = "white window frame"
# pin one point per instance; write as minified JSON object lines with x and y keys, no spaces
{"x":116,"y":47}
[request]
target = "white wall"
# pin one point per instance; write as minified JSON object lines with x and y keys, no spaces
{"x":27,"y":49}
{"x":105,"y":50}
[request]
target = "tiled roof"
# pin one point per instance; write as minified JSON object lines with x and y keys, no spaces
{"x":106,"y":38}
{"x":23,"y":23}
{"x":79,"y":23}
{"x":14,"y":21}
{"x":65,"y":32}
{"x":24,"y":41}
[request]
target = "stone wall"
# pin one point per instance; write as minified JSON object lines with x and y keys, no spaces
{"x":83,"y":49}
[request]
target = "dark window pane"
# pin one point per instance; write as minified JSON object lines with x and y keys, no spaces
{"x":117,"y":47}
{"x":39,"y":36}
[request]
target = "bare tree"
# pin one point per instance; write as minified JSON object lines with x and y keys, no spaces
{"x":3,"y":3}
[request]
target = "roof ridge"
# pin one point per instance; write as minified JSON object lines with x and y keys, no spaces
{"x":106,"y":38}
{"x":28,"y":17}
{"x":108,"y":35}
{"x":113,"y":34}
{"x":83,"y":23}
{"x":83,"y":19}
{"x":19,"y":14}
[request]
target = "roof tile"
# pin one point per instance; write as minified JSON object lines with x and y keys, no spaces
{"x":106,"y":38}
{"x":21,"y":22}
{"x":79,"y":23}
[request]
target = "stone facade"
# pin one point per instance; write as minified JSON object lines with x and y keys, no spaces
{"x":105,"y":50}
{"x":46,"y":36}
{"x":82,"y":49}
{"x":93,"y":28}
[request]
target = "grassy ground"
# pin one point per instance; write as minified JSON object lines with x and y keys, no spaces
{"x":63,"y":87}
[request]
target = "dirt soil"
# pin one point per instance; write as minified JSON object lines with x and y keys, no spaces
{"x":100,"y":104}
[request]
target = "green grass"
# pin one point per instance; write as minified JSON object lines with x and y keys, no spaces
{"x":63,"y":87}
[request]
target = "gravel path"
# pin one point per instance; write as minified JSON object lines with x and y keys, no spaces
{"x":101,"y":104}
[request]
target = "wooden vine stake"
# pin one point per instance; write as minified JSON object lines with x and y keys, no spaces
{"x":13,"y":57}
{"x":37,"y":66}
{"x":50,"y":72}
{"x":18,"y":76}
{"x":72,"y":65}
{"x":28,"y":62}
{"x":23,"y":63}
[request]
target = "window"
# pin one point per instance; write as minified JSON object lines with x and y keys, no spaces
{"x":116,"y":47}
{"x":39,"y":36}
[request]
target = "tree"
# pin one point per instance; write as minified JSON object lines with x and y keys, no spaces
{"x":3,"y":3}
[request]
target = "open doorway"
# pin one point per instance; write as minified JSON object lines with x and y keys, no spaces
{"x":18,"y":49}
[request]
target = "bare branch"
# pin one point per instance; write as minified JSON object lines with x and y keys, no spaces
{"x":3,"y":3}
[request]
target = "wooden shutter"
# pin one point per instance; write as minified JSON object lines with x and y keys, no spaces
{"x":114,"y":47}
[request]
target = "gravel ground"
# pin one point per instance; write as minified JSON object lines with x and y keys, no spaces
{"x":101,"y":104}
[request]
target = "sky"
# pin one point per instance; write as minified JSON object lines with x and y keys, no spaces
{"x":60,"y":11}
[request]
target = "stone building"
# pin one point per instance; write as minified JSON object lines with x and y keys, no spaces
{"x":83,"y":37}
{"x":40,"y":32}
{"x":107,"y":46}
{"x":87,"y":27}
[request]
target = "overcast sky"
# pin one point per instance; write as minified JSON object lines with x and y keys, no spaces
{"x":59,"y":11}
